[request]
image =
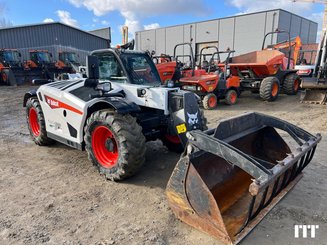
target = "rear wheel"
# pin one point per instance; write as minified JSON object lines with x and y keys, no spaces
{"x":36,"y":122}
{"x":173,"y":143}
{"x":115,"y":144}
{"x":269,"y":88}
{"x":291,"y":84}
{"x":231,"y":97}
{"x":209,"y":101}
{"x":8,"y":77}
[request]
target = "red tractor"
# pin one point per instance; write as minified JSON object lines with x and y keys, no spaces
{"x":209,"y":84}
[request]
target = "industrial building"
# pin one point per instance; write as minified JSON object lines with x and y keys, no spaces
{"x":242,"y":33}
{"x":54,"y":37}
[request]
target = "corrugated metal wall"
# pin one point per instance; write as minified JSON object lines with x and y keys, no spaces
{"x":243,"y":33}
{"x":54,"y":37}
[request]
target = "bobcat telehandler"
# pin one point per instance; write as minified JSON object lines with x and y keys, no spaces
{"x":316,"y":85}
{"x":227,"y":179}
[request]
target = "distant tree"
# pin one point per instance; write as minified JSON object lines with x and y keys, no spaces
{"x":5,"y":23}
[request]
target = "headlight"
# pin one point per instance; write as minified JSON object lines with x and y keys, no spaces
{"x":105,"y":87}
{"x":170,"y":84}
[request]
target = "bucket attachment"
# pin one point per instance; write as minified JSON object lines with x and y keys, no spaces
{"x":314,"y":96}
{"x":230,"y":177}
{"x":315,"y":91}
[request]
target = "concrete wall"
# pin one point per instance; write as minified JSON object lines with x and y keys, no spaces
{"x":243,"y":33}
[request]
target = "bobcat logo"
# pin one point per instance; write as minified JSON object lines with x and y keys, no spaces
{"x":192,"y":119}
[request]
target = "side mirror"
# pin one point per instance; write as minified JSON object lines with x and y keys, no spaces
{"x":92,"y":67}
{"x":19,"y":54}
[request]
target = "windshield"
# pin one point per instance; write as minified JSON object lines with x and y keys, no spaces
{"x":41,"y":56}
{"x":11,"y":56}
{"x":71,"y":57}
{"x":139,"y":67}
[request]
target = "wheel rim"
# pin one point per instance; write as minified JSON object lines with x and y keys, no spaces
{"x":173,"y":139}
{"x":296,"y":85}
{"x":212,"y":102}
{"x":105,"y":147}
{"x":233,"y":97}
{"x":4,"y":77}
{"x":274,"y":90}
{"x":34,"y":122}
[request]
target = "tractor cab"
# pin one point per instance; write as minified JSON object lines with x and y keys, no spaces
{"x":126,"y":66}
{"x":69,"y":58}
{"x":39,"y":58}
{"x":10,"y":58}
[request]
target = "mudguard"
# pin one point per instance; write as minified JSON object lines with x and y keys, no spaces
{"x":119,"y":104}
{"x":29,"y":94}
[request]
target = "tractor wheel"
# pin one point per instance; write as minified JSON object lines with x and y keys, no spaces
{"x":231,"y":97}
{"x":36,"y":122}
{"x":209,"y":101}
{"x":8,"y":77}
{"x":269,"y":88}
{"x":291,"y":84}
{"x":115,"y":144}
{"x":173,"y":143}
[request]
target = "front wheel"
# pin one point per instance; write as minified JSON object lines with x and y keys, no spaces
{"x":269,"y":88}
{"x":115,"y":144}
{"x":231,"y":97}
{"x":209,"y":101}
{"x":36,"y":122}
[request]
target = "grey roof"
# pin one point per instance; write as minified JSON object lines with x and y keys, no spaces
{"x":51,"y":23}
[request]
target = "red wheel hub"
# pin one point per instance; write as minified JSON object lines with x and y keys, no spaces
{"x":233,"y":97}
{"x":274,"y":90}
{"x":173,"y":139}
{"x":296,"y":85}
{"x":4,"y":77}
{"x":212,"y":102}
{"x":34,"y":122}
{"x":104,"y":146}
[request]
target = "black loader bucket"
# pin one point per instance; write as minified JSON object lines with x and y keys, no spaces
{"x":230,"y":177}
{"x":315,"y":91}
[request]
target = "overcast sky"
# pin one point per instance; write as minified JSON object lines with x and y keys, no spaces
{"x":140,"y":14}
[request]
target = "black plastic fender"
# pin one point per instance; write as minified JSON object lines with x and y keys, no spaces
{"x":29,"y":94}
{"x":119,"y":104}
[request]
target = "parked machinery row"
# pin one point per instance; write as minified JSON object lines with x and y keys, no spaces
{"x":40,"y":65}
{"x":268,"y":72}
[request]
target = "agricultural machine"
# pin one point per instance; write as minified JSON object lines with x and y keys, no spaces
{"x":316,"y":85}
{"x":209,"y":85}
{"x":10,"y":66}
{"x":40,"y":65}
{"x":68,"y":62}
{"x":267,"y":72}
{"x":226,"y":180}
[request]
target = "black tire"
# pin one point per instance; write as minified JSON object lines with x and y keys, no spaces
{"x":209,"y":101}
{"x":8,"y":77}
{"x":127,"y":138}
{"x":291,"y":84}
{"x":269,"y":88}
{"x":231,"y":97}
{"x":173,"y":144}
{"x":36,"y":122}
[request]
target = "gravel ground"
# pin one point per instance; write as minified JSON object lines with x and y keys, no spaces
{"x":54,"y":195}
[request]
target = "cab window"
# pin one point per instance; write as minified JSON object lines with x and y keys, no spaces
{"x":110,"y":69}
